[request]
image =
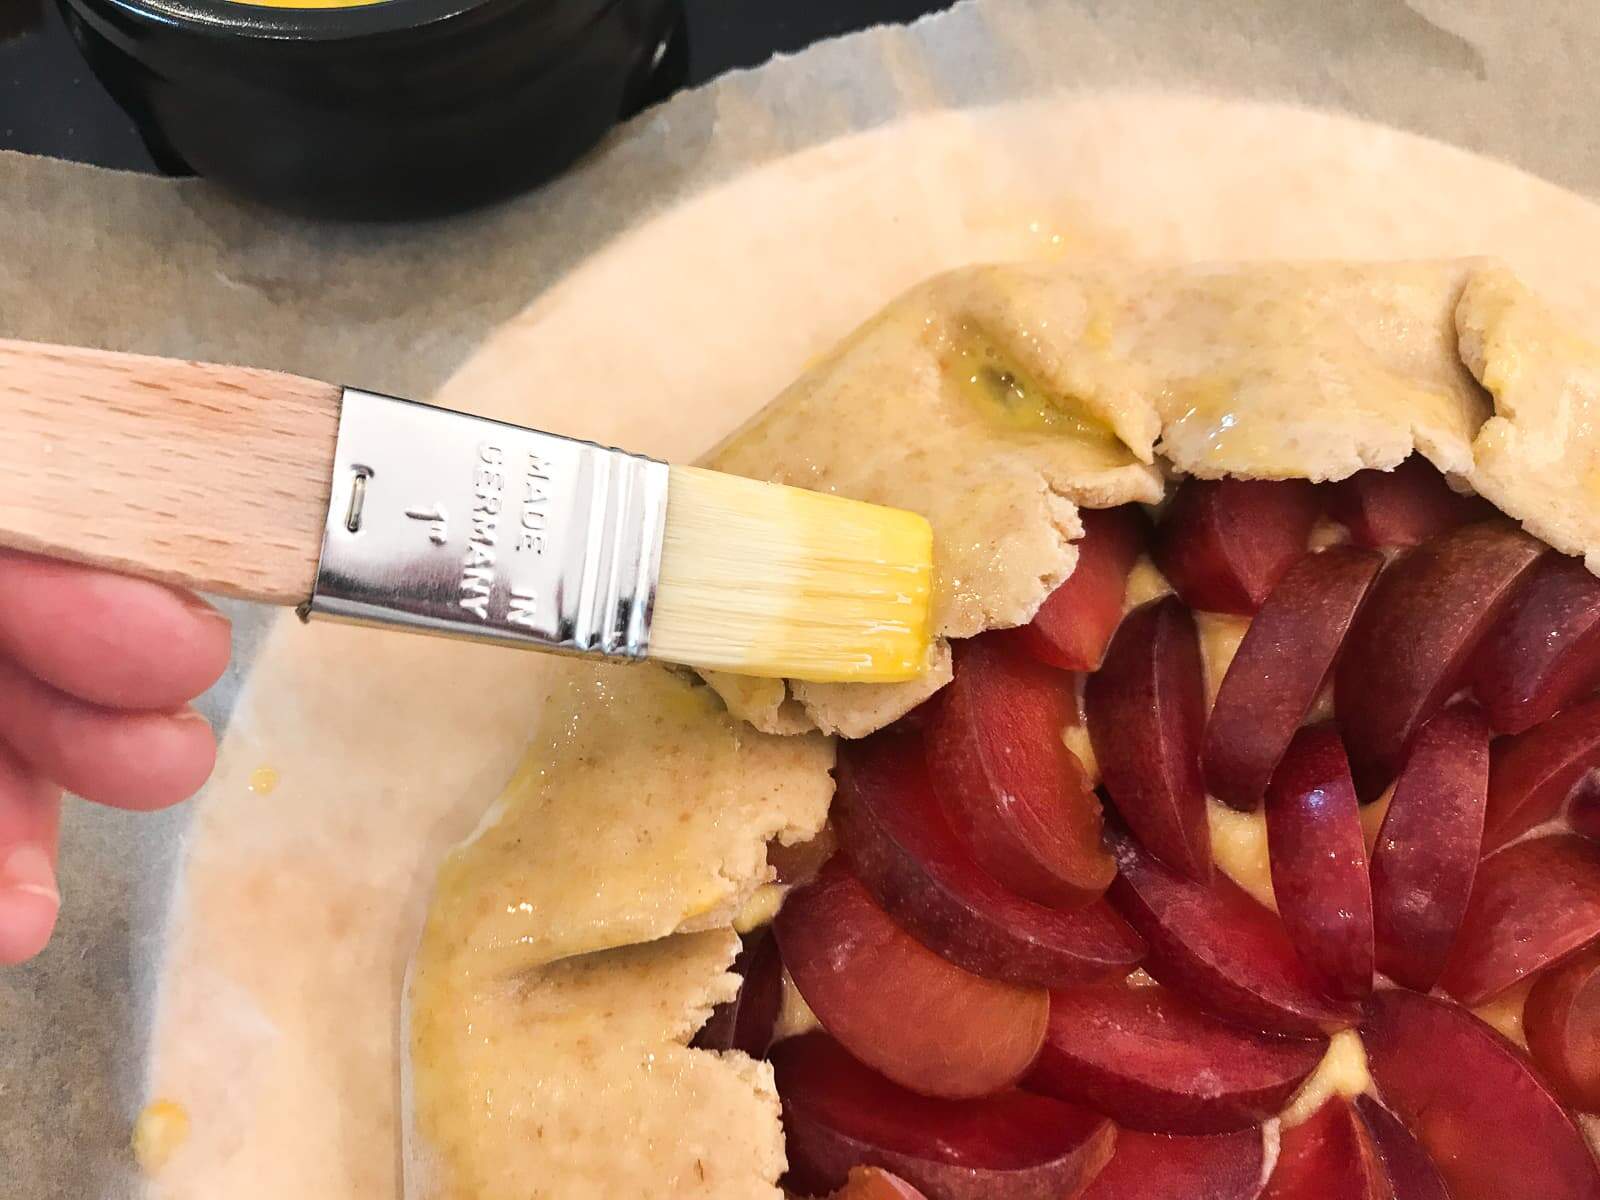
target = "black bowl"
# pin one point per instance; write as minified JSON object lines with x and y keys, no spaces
{"x":398,"y":108}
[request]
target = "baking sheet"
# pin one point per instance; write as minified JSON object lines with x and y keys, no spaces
{"x":176,"y":267}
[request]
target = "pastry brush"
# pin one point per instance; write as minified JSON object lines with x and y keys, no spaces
{"x":368,"y":508}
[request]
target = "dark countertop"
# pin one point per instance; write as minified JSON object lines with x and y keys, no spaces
{"x":50,"y":103}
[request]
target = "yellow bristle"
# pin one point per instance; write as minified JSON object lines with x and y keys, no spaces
{"x":761,"y":579}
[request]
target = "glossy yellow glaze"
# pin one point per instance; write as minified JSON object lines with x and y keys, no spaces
{"x":1009,"y":397}
{"x":536,"y":959}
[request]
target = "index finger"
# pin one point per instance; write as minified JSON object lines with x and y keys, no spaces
{"x":114,"y":641}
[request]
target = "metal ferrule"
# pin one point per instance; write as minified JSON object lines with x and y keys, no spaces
{"x":451,"y":524}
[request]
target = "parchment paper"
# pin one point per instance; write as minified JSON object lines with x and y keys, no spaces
{"x":738,"y":230}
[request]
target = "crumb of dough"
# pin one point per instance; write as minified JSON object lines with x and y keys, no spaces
{"x":1504,"y":1012}
{"x":1342,"y":1072}
{"x":160,"y":1128}
{"x":1145,"y":583}
{"x":795,"y":1017}
{"x":1239,"y":847}
{"x":1076,"y":739}
{"x":1327,"y":533}
{"x":1220,"y":635}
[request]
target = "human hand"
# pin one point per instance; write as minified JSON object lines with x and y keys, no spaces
{"x":96,"y":672}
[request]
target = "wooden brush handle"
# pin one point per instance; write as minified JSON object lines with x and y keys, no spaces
{"x":211,"y":477}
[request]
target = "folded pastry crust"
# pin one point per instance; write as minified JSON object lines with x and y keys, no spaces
{"x":578,"y":940}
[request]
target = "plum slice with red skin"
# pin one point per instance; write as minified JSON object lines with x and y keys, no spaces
{"x":1533,"y":904}
{"x":1532,"y":774}
{"x":1220,"y":948}
{"x":1402,"y":507}
{"x":1318,"y":859}
{"x":1413,"y":640}
{"x":1412,"y":1175}
{"x":1328,"y":1156}
{"x":1159,"y":1166}
{"x":1426,"y":854}
{"x":1146,"y":709}
{"x":1012,"y":1145}
{"x":871,"y":1183}
{"x":1544,"y":651}
{"x":1152,"y":1061}
{"x":1074,"y":624}
{"x":1280,"y":667}
{"x":1014,"y":794}
{"x":1485,"y":1117}
{"x":1224,"y":543}
{"x":901,"y":847}
{"x":1561,"y":1021}
{"x":897,"y":1005}
{"x":746,"y":1022}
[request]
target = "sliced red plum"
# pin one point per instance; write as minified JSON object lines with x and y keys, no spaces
{"x":838,"y":1114}
{"x":1413,"y":640}
{"x":897,"y":1005}
{"x":1329,"y":1156}
{"x":1484,"y":1116}
{"x":1532,"y":905}
{"x":1074,"y":625}
{"x":1152,"y":1061}
{"x":1561,"y":1021}
{"x":1402,"y":507}
{"x":1224,"y":543}
{"x":1158,"y":1166}
{"x":1427,"y":851}
{"x":1544,"y":651}
{"x":897,"y":839}
{"x":1532,"y":774}
{"x":1219,"y":947}
{"x":1280,"y":667}
{"x":1015,"y":795}
{"x":1318,"y":858}
{"x":1412,"y":1175}
{"x":1145,"y":709}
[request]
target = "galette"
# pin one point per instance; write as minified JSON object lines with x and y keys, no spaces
{"x":1240,"y":840}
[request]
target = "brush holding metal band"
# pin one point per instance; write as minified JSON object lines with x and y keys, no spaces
{"x":368,"y":508}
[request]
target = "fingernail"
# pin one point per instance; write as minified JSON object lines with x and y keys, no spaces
{"x":27,"y":869}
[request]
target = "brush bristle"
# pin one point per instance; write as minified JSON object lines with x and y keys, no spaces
{"x":761,"y":579}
